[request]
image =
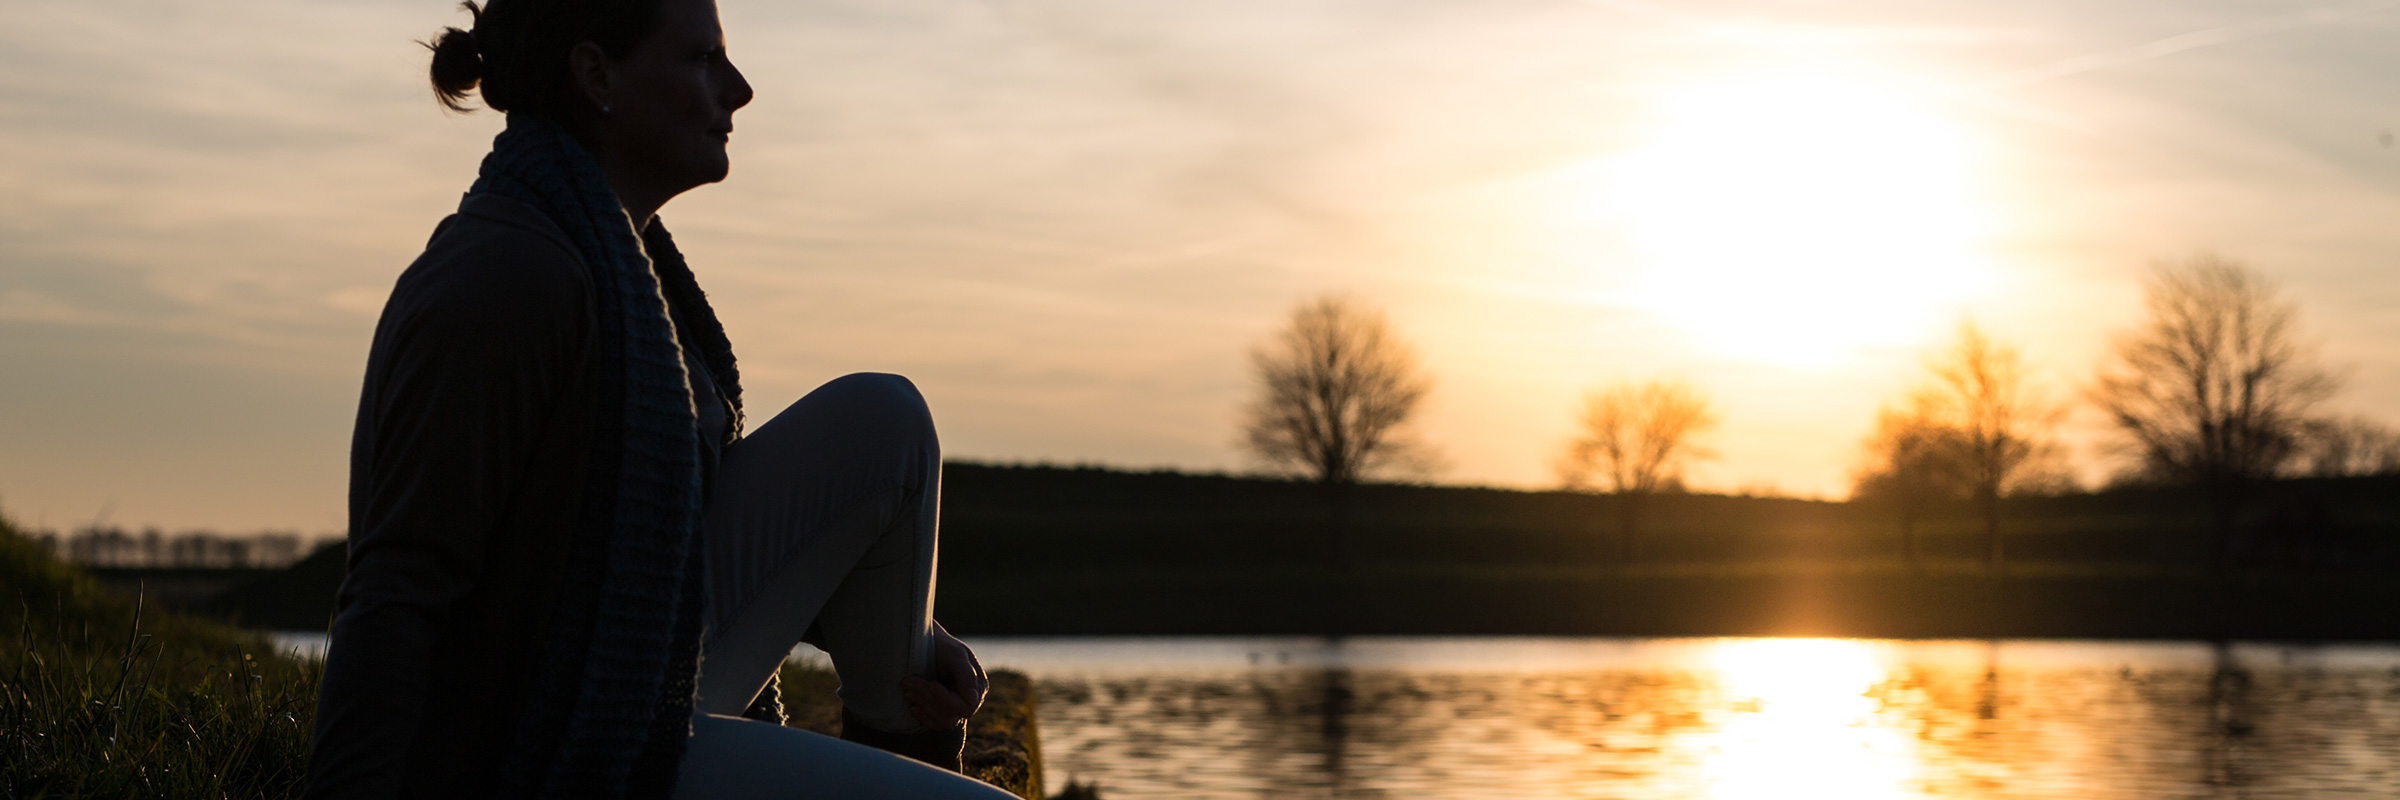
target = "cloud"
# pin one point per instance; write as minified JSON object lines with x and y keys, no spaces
{"x":2206,"y":37}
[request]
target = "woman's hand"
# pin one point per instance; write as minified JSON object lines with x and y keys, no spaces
{"x":956,"y":690}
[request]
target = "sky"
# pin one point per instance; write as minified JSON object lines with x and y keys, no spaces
{"x":1069,"y":220}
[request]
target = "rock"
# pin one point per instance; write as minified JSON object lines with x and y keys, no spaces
{"x":1003,"y":745}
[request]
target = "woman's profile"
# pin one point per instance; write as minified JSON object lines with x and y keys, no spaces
{"x":572,"y":573}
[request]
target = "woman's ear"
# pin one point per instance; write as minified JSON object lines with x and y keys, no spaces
{"x":588,"y":66}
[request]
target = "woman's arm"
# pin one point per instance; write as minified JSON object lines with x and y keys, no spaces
{"x":466,"y":370}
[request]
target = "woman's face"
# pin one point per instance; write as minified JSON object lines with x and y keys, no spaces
{"x":669,"y":106}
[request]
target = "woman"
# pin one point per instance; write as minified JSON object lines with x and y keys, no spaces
{"x":569,"y":570}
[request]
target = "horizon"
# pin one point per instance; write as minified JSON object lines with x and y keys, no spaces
{"x":1069,"y":222}
{"x":89,"y":526}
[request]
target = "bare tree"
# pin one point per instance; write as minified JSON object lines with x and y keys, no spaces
{"x":2337,"y":447}
{"x":2214,"y":389}
{"x":1635,"y":440}
{"x":1998,"y":421}
{"x":1335,"y":385}
{"x":1911,"y":463}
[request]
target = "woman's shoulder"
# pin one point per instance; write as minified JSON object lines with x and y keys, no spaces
{"x":496,"y":256}
{"x":497,"y":240}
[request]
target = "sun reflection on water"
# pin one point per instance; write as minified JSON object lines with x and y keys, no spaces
{"x":1802,"y":724}
{"x":1689,"y":719}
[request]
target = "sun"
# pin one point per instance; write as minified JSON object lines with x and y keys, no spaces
{"x":1796,"y":219}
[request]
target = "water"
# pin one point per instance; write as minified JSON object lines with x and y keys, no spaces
{"x":1712,"y":718}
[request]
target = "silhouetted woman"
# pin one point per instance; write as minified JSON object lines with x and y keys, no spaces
{"x":570,"y":572}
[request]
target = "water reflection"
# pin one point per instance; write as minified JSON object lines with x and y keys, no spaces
{"x":2228,"y":719}
{"x":1802,"y":724}
{"x":1634,"y":719}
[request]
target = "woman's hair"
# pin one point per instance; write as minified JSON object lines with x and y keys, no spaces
{"x":516,"y":50}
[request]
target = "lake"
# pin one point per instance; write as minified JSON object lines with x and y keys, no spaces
{"x":1474,"y":717}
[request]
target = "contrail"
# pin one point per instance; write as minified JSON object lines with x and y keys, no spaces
{"x":2188,"y":41}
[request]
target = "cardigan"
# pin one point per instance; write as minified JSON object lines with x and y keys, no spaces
{"x":467,"y":470}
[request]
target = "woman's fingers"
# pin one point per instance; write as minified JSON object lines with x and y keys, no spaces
{"x":965,"y":674}
{"x":957,"y":690}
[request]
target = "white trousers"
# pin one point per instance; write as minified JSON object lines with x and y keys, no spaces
{"x":827,"y":514}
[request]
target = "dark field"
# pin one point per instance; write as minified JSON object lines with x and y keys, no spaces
{"x":1059,"y":551}
{"x":1067,"y":551}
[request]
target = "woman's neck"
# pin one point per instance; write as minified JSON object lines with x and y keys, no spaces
{"x":641,"y":202}
{"x":634,"y":186}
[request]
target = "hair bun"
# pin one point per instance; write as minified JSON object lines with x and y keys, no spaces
{"x":457,"y":64}
{"x":515,"y":56}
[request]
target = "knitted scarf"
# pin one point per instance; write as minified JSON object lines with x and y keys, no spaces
{"x":611,"y":703}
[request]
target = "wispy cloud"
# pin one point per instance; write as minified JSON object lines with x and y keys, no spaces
{"x":2193,"y":40}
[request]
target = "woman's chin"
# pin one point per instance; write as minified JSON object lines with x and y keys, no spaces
{"x":694,"y":166}
{"x":713,"y":170}
{"x":712,"y":159}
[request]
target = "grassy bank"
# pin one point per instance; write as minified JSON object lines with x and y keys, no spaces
{"x":103,"y":696}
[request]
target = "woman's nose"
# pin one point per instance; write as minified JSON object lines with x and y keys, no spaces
{"x":737,"y":88}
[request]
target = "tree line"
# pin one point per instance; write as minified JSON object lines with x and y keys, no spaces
{"x":2216,"y":389}
{"x":151,"y":548}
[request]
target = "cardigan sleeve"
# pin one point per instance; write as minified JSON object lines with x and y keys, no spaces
{"x":475,"y":348}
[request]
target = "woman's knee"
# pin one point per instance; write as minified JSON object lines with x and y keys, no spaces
{"x":878,"y":401}
{"x":880,"y":387}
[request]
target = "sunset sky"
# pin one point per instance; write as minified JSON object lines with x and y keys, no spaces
{"x":1068,"y":220}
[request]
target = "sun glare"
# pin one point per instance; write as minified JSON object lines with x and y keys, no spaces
{"x":1796,"y":219}
{"x":1805,"y":728}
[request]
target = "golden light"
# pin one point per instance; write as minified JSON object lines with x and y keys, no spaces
{"x":1803,"y":726}
{"x":1794,"y":219}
